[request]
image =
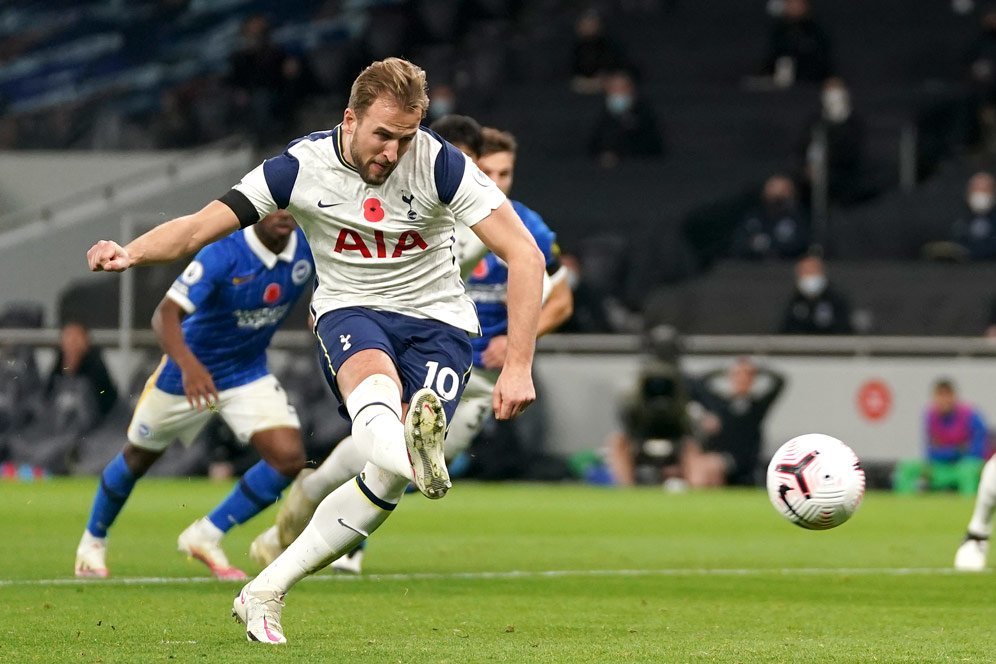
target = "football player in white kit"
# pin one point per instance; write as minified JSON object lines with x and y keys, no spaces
{"x":495,"y":153}
{"x":378,"y":199}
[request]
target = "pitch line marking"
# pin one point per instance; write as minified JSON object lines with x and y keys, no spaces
{"x":511,"y":575}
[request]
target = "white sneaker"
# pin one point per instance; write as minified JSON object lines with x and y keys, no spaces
{"x":295,"y":510}
{"x":260,"y":613}
{"x":199,"y":544}
{"x":971,"y":555}
{"x":425,"y":428}
{"x":266,"y":547}
{"x":350,"y":563}
{"x":90,"y":557}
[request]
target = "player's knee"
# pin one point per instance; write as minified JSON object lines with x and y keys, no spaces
{"x":377,"y":390}
{"x":288,"y":460}
{"x":139,"y":460}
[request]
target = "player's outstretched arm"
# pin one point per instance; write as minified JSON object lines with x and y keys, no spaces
{"x":504,"y":234}
{"x":166,"y":242}
{"x":198,"y":384}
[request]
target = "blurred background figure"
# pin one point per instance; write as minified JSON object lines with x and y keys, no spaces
{"x":594,"y":53}
{"x":980,"y":106}
{"x":798,"y":47}
{"x":956,"y":445}
{"x":78,"y":359}
{"x":442,"y":102}
{"x":734,"y":404}
{"x":815,"y":307}
{"x":835,"y":144}
{"x":627,"y":127}
{"x":776,"y":228}
{"x":975,"y":231}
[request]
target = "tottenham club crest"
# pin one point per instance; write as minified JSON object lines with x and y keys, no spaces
{"x":408,"y":197}
{"x":300,"y":272}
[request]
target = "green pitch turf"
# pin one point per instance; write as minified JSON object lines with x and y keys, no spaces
{"x":644,"y":576}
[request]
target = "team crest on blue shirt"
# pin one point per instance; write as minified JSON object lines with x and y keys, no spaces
{"x":301,"y":271}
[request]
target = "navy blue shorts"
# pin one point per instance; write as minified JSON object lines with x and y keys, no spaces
{"x":427,"y":353}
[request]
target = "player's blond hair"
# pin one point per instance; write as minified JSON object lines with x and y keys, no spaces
{"x":398,"y":79}
{"x":494,"y":140}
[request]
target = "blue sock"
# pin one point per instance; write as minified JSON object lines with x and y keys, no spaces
{"x":116,"y":483}
{"x":258,"y":489}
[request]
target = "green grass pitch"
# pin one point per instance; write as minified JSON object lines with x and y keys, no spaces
{"x":645,"y":577}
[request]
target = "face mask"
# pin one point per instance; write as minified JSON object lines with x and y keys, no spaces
{"x":440,"y":107}
{"x":812,"y":284}
{"x":618,"y":104}
{"x":980,"y":202}
{"x":836,"y":105}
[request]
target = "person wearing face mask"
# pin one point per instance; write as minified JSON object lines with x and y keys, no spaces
{"x":976,"y":231}
{"x":799,"y":48}
{"x":776,"y":228}
{"x":627,"y":127}
{"x":815,"y":307}
{"x":843,"y":151}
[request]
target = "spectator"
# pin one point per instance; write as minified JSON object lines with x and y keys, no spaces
{"x":798,"y":49}
{"x":836,"y":138}
{"x":981,"y":99}
{"x":955,"y":441}
{"x":731,"y":424}
{"x":77,"y":357}
{"x":594,"y":53}
{"x":777,"y":228}
{"x":976,"y":230}
{"x":815,"y":307}
{"x":442,"y":102}
{"x":627,"y":127}
{"x":256,"y":72}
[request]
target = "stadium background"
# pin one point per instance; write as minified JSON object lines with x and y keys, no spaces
{"x":119,"y":115}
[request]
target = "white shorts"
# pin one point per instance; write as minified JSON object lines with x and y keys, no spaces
{"x":475,"y":407}
{"x":160,"y":417}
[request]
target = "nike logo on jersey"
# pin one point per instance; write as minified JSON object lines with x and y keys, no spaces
{"x":328,"y":205}
{"x":241,"y":280}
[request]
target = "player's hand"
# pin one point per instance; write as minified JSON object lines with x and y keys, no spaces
{"x":494,"y":355}
{"x":108,"y":256}
{"x":514,"y":392}
{"x":199,"y":387}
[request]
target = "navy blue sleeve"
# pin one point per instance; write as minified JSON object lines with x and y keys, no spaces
{"x":281,"y":173}
{"x":448,"y":169}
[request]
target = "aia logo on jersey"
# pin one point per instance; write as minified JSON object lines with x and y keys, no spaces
{"x":350,"y":240}
{"x":480,"y":270}
{"x":271,"y":294}
{"x":373,"y":210}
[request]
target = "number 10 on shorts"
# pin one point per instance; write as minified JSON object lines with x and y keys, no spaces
{"x":443,"y":380}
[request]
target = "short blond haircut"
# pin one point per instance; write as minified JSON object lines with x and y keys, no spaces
{"x":494,"y":140}
{"x":398,"y":79}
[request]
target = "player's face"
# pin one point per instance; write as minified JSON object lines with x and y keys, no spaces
{"x":500,"y":167}
{"x":276,"y":226}
{"x":379,"y":138}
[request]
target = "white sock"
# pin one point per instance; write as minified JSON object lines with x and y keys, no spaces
{"x":981,"y":523}
{"x":209,"y":530}
{"x":345,"y":463}
{"x":346,"y":516}
{"x":375,"y":408}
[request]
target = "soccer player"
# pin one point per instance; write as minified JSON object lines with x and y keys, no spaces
{"x":495,"y":153}
{"x":215,"y":324}
{"x":378,"y":199}
{"x":974,"y":550}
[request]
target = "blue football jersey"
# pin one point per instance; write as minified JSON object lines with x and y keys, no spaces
{"x":488,"y":283}
{"x":236,"y":293}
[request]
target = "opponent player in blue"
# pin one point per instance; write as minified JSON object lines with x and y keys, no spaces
{"x":486,"y":278}
{"x":234,"y":295}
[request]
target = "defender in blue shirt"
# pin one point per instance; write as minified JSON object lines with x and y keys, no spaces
{"x":215,"y":325}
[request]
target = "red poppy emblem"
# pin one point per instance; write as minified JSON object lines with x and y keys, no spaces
{"x":271,"y":294}
{"x":480,"y":270}
{"x":373,"y":211}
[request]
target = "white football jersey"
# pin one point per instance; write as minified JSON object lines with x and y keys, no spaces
{"x":386,"y":247}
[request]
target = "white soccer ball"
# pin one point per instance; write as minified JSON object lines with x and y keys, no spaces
{"x":815,"y":481}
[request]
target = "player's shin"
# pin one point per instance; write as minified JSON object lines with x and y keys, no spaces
{"x":981,"y":523}
{"x":347,"y":516}
{"x":375,"y":408}
{"x":116,"y":483}
{"x":258,"y":489}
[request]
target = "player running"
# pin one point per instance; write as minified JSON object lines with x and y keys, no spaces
{"x":378,"y":199}
{"x":230,"y":299}
{"x":495,"y":153}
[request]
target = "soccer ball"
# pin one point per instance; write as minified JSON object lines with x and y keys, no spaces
{"x":815,"y":481}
